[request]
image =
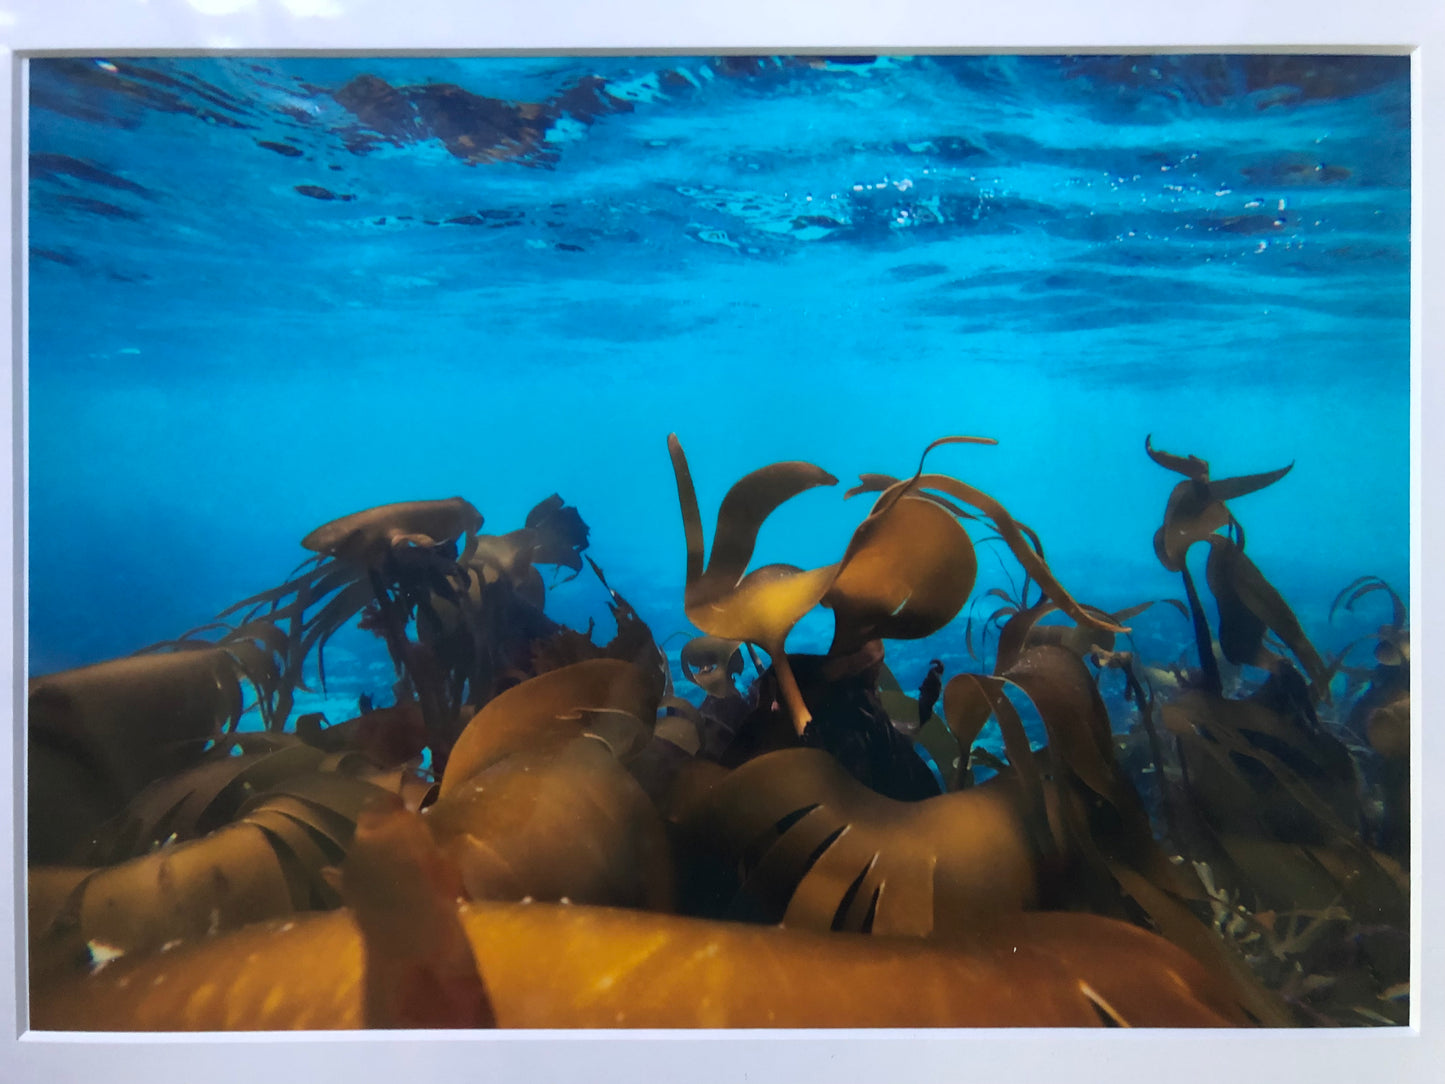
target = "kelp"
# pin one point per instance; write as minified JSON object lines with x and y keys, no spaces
{"x":608,"y":968}
{"x":554,"y":823}
{"x":815,"y":849}
{"x":1196,"y":507}
{"x":821,"y":798}
{"x":99,"y":734}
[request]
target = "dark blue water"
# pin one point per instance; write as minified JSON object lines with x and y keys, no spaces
{"x":265,"y":293}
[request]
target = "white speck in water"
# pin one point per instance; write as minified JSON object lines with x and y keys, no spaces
{"x":1255,"y":203}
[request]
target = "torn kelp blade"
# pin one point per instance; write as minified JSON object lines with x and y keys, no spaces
{"x":548,"y":712}
{"x":557,"y":966}
{"x":820,"y":850}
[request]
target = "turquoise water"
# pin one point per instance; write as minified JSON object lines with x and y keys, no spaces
{"x":268,"y":292}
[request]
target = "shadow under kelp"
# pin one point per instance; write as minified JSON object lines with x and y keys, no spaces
{"x":1212,"y":860}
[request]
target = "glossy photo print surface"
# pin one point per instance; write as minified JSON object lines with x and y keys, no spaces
{"x":718,"y":542}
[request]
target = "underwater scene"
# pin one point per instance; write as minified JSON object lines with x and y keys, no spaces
{"x":718,"y":541}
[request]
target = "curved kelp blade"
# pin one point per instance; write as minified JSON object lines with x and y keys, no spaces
{"x":1366,"y":585}
{"x":907,"y":572}
{"x":1192,"y":467}
{"x":548,"y":712}
{"x":1014,"y":535}
{"x":568,"y":823}
{"x":711,"y":663}
{"x":806,"y":832}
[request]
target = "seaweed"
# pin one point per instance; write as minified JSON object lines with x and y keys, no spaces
{"x":589,"y":848}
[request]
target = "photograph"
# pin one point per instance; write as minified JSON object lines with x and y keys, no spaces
{"x":717,"y":540}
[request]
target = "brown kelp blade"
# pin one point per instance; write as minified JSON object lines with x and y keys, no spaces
{"x":548,"y":712}
{"x":570,"y":823}
{"x":100,"y":733}
{"x":549,"y":966}
{"x":1191,"y":466}
{"x":561,"y":535}
{"x":1018,"y":544}
{"x":1248,"y":604}
{"x":748,"y":503}
{"x":420,"y":971}
{"x":363,"y":537}
{"x":711,"y":663}
{"x":836,"y":855}
{"x":907,"y":573}
{"x":1366,"y":585}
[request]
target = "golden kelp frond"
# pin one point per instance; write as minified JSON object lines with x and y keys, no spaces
{"x":1196,"y":507}
{"x":585,"y":967}
{"x":818,"y":850}
{"x":100,"y":733}
{"x":711,"y":663}
{"x":365,"y":538}
{"x":760,"y":607}
{"x":547,"y":712}
{"x":552,"y":824}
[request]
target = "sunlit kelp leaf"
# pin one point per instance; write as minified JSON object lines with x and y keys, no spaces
{"x":906,"y":574}
{"x":762,"y":606}
{"x":105,"y":731}
{"x":419,"y":970}
{"x":552,"y":824}
{"x":587,"y":967}
{"x":1248,"y":604}
{"x":819,"y":850}
{"x":711,"y":663}
{"x":1196,"y":508}
{"x":548,"y":712}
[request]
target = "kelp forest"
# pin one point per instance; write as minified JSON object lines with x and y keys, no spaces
{"x":544,"y":831}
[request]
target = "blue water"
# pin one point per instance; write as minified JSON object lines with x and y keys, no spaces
{"x":522,"y":284}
